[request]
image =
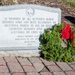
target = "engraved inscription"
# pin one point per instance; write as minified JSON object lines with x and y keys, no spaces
{"x":27,"y":29}
{"x":30,"y":12}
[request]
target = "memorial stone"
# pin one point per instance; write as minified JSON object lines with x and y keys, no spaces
{"x":22,"y":25}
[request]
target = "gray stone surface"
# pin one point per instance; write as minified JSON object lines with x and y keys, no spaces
{"x":15,"y":67}
{"x":28,"y":53}
{"x":59,"y":73}
{"x":38,"y":66}
{"x":33,"y":73}
{"x":5,"y":73}
{"x":64,"y":66}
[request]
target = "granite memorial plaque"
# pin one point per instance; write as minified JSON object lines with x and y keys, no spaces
{"x":21,"y":25}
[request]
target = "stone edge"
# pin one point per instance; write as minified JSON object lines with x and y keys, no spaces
{"x":25,"y":6}
{"x":28,"y":53}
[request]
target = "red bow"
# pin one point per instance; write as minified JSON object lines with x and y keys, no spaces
{"x":67,"y":33}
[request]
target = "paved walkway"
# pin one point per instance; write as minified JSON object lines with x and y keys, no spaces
{"x":34,"y":66}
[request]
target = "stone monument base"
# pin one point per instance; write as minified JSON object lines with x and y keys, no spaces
{"x":27,"y":53}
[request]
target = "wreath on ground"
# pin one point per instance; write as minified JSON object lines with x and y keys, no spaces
{"x":58,"y":43}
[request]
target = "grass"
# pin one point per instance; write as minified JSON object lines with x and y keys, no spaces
{"x":71,"y":2}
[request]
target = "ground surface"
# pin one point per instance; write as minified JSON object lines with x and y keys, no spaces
{"x":68,"y":12}
{"x":38,"y":66}
{"x":34,"y":66}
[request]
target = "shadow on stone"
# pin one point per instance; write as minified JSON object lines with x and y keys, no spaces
{"x":71,"y":19}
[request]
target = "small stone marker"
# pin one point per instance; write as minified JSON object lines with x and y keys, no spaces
{"x":22,"y":25}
